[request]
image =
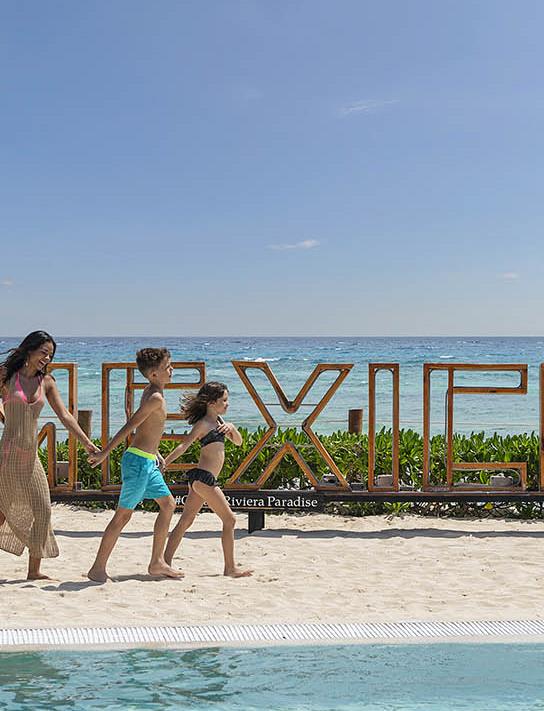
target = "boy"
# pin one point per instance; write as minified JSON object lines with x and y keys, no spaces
{"x":141,"y":476}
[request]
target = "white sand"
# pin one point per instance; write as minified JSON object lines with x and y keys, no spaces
{"x":308,"y":568}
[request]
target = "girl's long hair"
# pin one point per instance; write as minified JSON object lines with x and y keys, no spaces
{"x":17,"y":356}
{"x":194,"y":407}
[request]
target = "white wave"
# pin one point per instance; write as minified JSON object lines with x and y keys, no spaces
{"x":446,"y":356}
{"x":262,"y":360}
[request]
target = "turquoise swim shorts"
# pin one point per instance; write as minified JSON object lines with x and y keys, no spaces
{"x":141,"y":478}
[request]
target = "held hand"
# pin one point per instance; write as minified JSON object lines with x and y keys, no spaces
{"x":91,"y":448}
{"x":96,"y":458}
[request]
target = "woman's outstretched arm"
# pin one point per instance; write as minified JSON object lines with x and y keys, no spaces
{"x":66,"y":417}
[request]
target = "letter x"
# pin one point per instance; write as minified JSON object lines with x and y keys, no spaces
{"x":289,"y":406}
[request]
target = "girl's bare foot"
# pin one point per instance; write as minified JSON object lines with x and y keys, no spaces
{"x":97,"y":575}
{"x":162,"y":569}
{"x":237,"y":573}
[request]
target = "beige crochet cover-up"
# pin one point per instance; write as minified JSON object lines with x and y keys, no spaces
{"x":24,"y":491}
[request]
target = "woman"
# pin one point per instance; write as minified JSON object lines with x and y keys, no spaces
{"x":25,"y":504}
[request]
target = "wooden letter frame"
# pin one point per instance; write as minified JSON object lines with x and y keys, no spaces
{"x":290,"y":406}
{"x":373,"y":369}
{"x":49,"y":432}
{"x":541,"y":425}
{"x":451,"y":466}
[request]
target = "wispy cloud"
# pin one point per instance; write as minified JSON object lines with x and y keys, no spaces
{"x":509,"y":276}
{"x":305,"y":244}
{"x":244,"y":94}
{"x":6,"y":283}
{"x":366,"y":107}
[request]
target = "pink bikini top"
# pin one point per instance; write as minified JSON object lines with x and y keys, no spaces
{"x":20,"y":393}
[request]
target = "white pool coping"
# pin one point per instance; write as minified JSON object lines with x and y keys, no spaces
{"x":265,"y":634}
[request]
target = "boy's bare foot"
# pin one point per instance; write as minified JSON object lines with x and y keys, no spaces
{"x":164,"y":570}
{"x":38,"y":576}
{"x":97,"y":575}
{"x":238,"y":573}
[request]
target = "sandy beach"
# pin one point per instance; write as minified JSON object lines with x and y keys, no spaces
{"x":308,"y":568}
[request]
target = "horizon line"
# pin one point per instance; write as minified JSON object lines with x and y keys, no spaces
{"x":453,"y":335}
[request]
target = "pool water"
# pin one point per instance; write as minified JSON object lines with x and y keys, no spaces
{"x":325,"y":678}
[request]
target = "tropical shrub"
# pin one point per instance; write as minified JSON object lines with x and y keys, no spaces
{"x":350,"y":453}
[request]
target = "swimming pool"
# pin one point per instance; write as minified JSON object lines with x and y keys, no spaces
{"x":495,"y":677}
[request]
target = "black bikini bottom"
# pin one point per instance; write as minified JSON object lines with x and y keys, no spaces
{"x":202,"y":475}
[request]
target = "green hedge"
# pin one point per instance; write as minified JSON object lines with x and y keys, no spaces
{"x":349,"y":451}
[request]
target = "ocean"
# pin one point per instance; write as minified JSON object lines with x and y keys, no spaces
{"x":293,"y":359}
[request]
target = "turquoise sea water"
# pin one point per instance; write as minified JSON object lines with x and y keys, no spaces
{"x":491,"y":677}
{"x":292,"y":360}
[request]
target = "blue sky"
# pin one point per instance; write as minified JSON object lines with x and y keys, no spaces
{"x":271,"y":167}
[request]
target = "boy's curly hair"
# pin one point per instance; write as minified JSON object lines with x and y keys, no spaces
{"x":149,"y":358}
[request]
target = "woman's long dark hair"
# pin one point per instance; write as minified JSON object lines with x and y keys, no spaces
{"x":193,"y":407}
{"x":17,"y":356}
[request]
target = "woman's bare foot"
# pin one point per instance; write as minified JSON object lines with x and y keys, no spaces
{"x":97,"y":575}
{"x":237,"y":573}
{"x":164,"y":570}
{"x":34,"y":572}
{"x":39,"y":576}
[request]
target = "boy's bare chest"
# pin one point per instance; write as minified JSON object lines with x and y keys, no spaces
{"x":150,"y":431}
{"x":157,"y":417}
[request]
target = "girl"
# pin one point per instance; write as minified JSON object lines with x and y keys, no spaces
{"x":204,"y":411}
{"x":25,"y":505}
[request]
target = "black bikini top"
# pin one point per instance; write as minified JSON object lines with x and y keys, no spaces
{"x":212,"y":436}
